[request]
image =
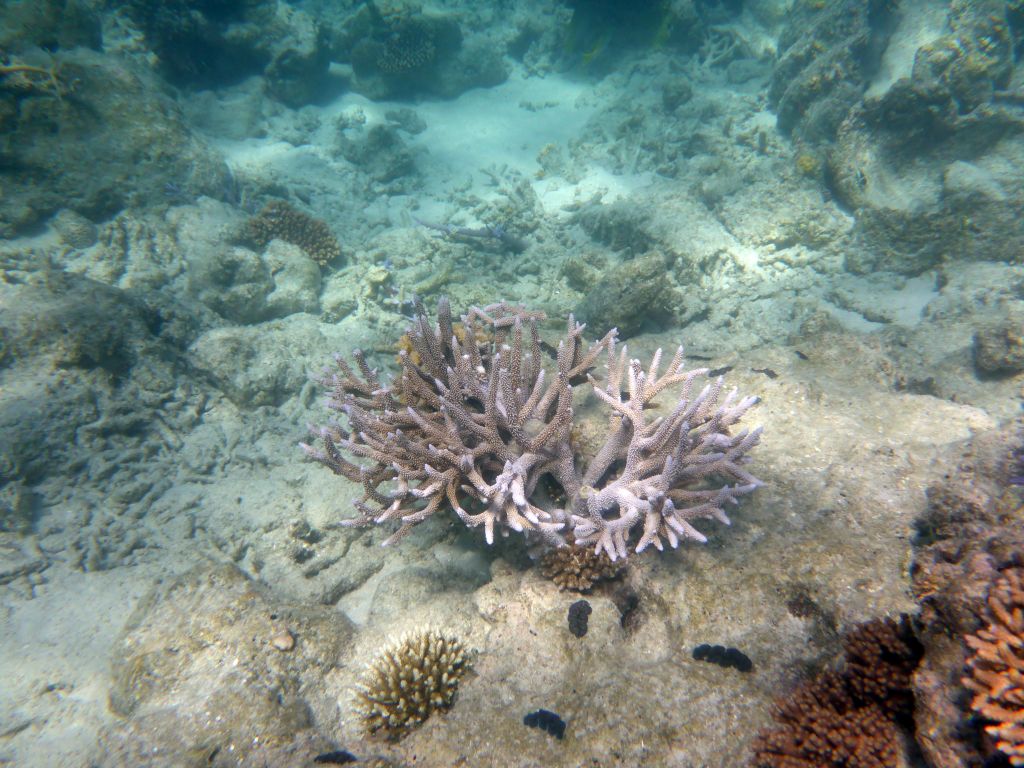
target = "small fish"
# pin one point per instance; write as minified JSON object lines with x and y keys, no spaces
{"x":767,"y":372}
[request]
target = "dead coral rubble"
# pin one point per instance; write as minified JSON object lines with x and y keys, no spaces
{"x":476,"y":422}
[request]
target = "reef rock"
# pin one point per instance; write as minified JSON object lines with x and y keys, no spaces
{"x":97,"y":107}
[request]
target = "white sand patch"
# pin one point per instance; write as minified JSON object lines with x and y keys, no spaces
{"x":559,"y":196}
{"x":507,"y":125}
{"x":501,"y":129}
{"x":869,"y":303}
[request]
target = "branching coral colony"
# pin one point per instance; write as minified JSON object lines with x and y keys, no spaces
{"x":475,"y":421}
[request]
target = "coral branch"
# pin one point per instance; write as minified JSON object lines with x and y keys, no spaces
{"x":476,"y":421}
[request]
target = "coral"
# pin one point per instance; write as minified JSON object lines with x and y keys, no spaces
{"x":280,"y":220}
{"x":881,"y":656}
{"x":485,"y":429}
{"x":578,"y":568}
{"x":852,"y":718}
{"x":21,"y":78}
{"x":997,"y":666}
{"x":808,"y":164}
{"x":999,"y":345}
{"x":409,"y":45}
{"x":75,"y":230}
{"x":410,"y":681}
{"x":969,"y":536}
{"x":821,"y":727}
{"x":826,"y":56}
{"x":403,"y":53}
{"x":633,"y":296}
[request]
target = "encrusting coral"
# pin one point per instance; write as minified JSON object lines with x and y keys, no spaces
{"x":280,"y":220}
{"x":997,"y":666}
{"x":476,"y":422}
{"x":410,"y":681}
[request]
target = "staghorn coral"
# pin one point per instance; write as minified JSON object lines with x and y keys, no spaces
{"x":997,"y":666}
{"x":279,"y":220}
{"x":851,"y":718}
{"x":410,"y":681}
{"x":477,"y":426}
{"x":577,"y":568}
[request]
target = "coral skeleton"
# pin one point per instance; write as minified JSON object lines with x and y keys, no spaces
{"x":477,"y":423}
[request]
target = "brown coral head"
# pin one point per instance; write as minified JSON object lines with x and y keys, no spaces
{"x":853,"y":717}
{"x":577,"y":568}
{"x":996,"y":668}
{"x":279,"y":220}
{"x":411,"y":680}
{"x":409,"y":46}
{"x":881,"y":656}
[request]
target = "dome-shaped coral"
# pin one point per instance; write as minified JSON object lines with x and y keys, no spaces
{"x":409,"y":681}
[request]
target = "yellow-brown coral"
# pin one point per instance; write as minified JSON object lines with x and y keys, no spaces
{"x":411,"y":680}
{"x":279,"y":220}
{"x":577,"y":568}
{"x":997,"y":666}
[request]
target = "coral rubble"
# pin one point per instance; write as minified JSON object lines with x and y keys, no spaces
{"x":409,"y":682}
{"x":477,"y":423}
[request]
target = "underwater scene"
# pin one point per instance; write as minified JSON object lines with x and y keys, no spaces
{"x":512,"y":383}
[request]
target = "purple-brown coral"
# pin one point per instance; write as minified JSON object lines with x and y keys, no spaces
{"x":476,"y":422}
{"x":853,"y":718}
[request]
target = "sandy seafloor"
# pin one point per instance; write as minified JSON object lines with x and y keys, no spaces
{"x":186,"y":466}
